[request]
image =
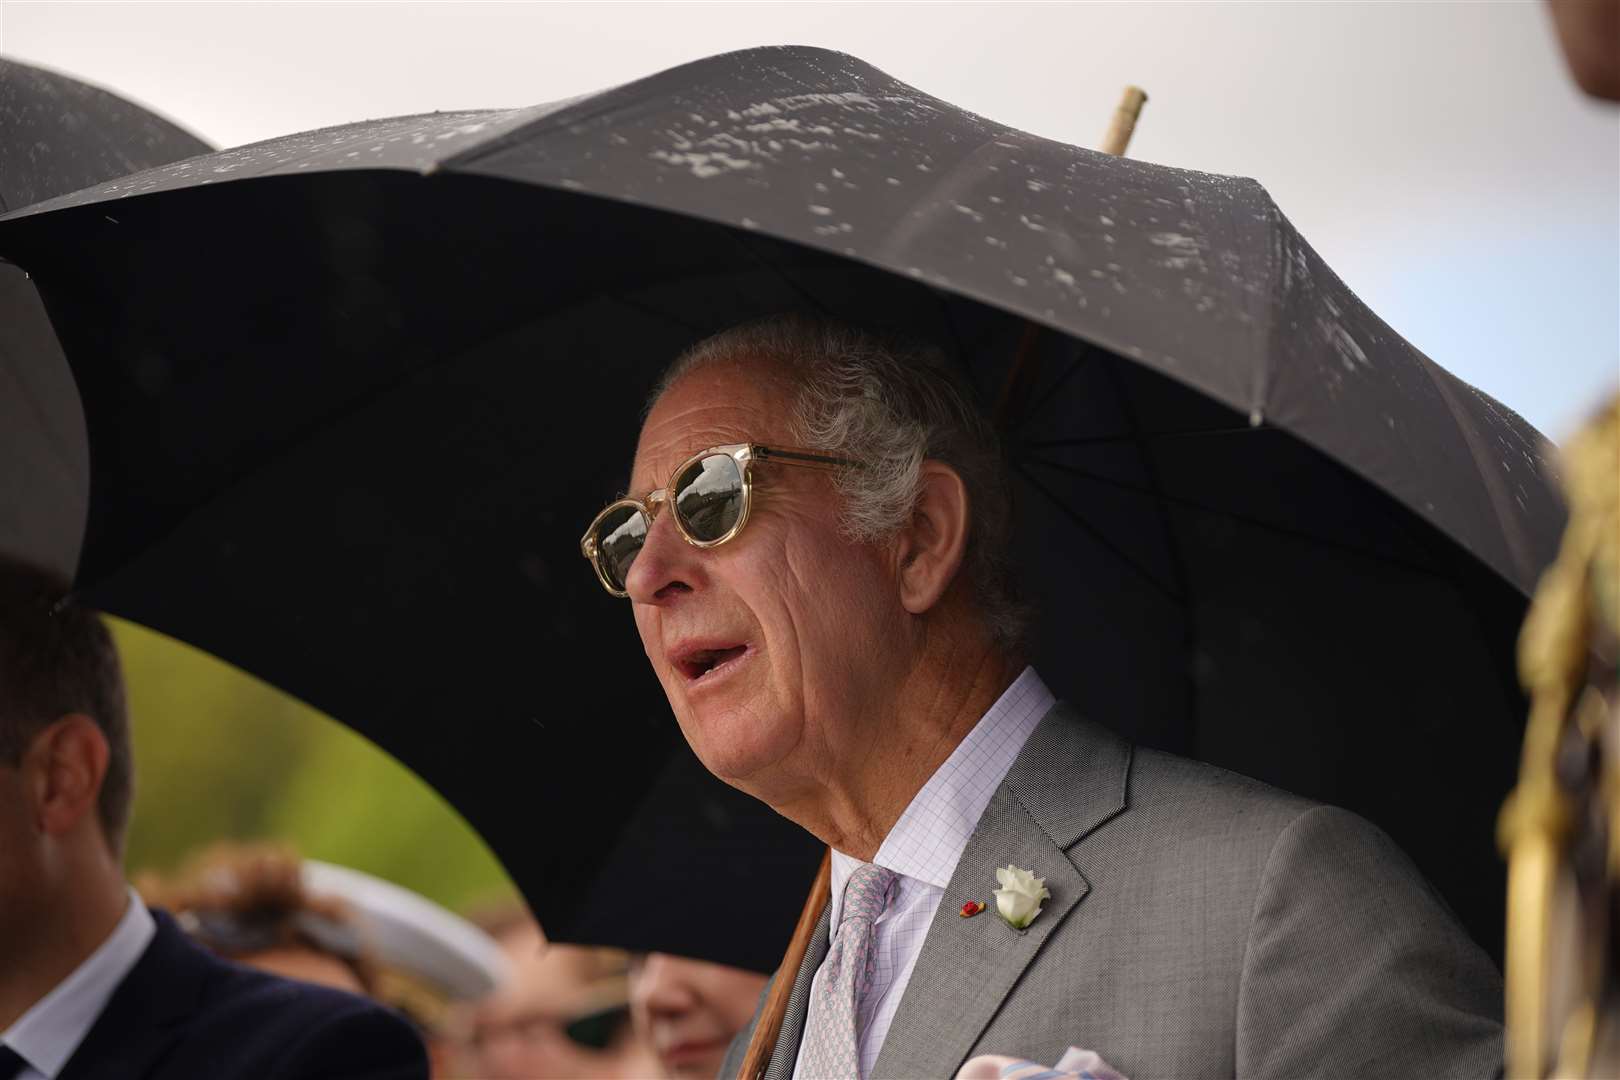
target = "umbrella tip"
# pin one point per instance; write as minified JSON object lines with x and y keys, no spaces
{"x":1123,"y":124}
{"x":1256,"y":418}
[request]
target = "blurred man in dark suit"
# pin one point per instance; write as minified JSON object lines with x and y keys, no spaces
{"x":92,"y":983}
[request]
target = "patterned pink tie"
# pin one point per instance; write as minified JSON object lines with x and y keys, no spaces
{"x":830,"y":1048}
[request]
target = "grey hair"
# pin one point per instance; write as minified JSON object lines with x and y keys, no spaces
{"x":891,"y":403}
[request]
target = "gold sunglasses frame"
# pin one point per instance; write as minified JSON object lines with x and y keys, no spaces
{"x":745,"y":455}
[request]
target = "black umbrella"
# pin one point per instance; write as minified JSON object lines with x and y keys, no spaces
{"x":352,"y":395}
{"x":57,"y":135}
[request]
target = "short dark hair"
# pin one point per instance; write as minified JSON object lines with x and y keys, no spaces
{"x":56,"y":658}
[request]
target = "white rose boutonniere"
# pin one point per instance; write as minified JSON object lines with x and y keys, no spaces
{"x":1019,"y":898}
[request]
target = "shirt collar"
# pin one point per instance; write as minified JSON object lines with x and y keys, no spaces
{"x":47,"y":1034}
{"x":927,"y":841}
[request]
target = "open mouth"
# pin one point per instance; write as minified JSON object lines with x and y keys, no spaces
{"x":700,"y":664}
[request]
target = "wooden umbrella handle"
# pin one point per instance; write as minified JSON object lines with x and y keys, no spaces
{"x":763,"y":1042}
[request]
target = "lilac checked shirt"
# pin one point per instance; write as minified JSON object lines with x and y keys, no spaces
{"x":924,"y":847}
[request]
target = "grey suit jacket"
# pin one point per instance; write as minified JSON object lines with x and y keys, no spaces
{"x":1201,"y":924}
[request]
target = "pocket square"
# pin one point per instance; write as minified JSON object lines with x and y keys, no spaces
{"x":1075,"y":1064}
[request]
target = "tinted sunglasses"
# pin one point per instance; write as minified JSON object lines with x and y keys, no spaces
{"x":709,"y":496}
{"x":593,"y":1031}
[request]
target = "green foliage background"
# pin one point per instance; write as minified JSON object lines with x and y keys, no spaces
{"x":220,"y":755}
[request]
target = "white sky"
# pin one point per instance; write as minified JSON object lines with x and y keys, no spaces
{"x":1436,"y":154}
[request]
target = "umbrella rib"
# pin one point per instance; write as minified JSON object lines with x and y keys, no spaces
{"x":1178,"y":564}
{"x":1120,"y":553}
{"x":1178,"y":568}
{"x":1026,"y":361}
{"x":984,"y":337}
{"x":956,"y":333}
{"x":1192,"y":504}
{"x":1123,"y":437}
{"x":741,"y":240}
{"x":1063,"y":380}
{"x":647,"y":309}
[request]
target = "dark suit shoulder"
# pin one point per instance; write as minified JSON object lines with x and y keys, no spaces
{"x":236,"y":988}
{"x":184,"y":1012}
{"x":280,"y":1028}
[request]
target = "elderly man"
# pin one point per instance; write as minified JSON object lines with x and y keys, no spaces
{"x":815,"y":555}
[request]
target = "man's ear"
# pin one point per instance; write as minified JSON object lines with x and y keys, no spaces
{"x":932,"y":547}
{"x":65,"y":764}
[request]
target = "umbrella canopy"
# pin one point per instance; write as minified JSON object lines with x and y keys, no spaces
{"x":352,"y":395}
{"x":56,"y":135}
{"x":59,"y":135}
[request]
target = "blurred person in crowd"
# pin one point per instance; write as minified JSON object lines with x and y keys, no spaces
{"x":563,"y":1011}
{"x":93,"y":983}
{"x":263,"y":905}
{"x":688,"y":1011}
{"x":247,"y":902}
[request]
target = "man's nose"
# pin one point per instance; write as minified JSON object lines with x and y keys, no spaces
{"x":665,"y":567}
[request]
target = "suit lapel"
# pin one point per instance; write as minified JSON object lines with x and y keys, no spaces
{"x":146,"y":1013}
{"x":786,"y":1052}
{"x":1068,"y":779}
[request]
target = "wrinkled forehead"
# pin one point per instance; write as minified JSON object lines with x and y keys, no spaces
{"x":724,"y":401}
